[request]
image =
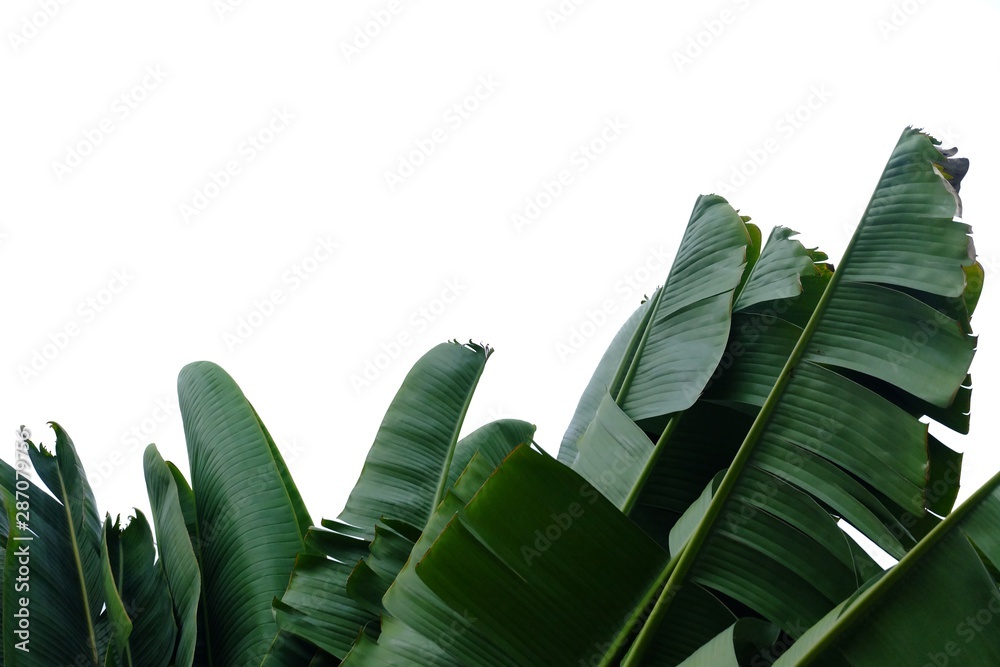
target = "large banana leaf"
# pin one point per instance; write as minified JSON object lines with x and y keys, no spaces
{"x":939,"y":605}
{"x":483,"y":589}
{"x":401,"y":477}
{"x":763,"y":541}
{"x":710,"y":434}
{"x":655,"y":484}
{"x":60,"y":548}
{"x":136,"y":588}
{"x":248,"y":519}
{"x":338,"y":584}
{"x":493,"y":592}
{"x":177,"y":556}
{"x":398,"y":643}
{"x":487,"y":446}
{"x":689,"y":317}
{"x":716,"y":249}
{"x":338,"y":581}
{"x":765,"y":342}
{"x":662,"y":360}
{"x":94,"y":594}
{"x":406,"y":471}
{"x":746,"y":543}
{"x":775,"y":272}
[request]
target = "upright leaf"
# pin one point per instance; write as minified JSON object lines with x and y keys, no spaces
{"x":177,"y":556}
{"x":138,"y":608}
{"x":811,"y":408}
{"x":619,"y":457}
{"x":57,"y":539}
{"x":415,"y":459}
{"x":248,"y":515}
{"x":670,"y":356}
{"x":407,"y":467}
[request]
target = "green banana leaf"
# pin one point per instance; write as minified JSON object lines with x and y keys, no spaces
{"x":553,"y":587}
{"x":497,"y":597}
{"x":92,"y":591}
{"x":177,"y":555}
{"x":739,"y":644}
{"x":939,"y":605}
{"x":397,"y":638}
{"x":655,"y":484}
{"x":776,"y":272}
{"x":746,"y":544}
{"x":764,"y":540}
{"x":689,"y":319}
{"x":415,"y":459}
{"x":136,"y":587}
{"x":671,"y":353}
{"x":325,"y":595}
{"x":249,"y":521}
{"x":406,"y":471}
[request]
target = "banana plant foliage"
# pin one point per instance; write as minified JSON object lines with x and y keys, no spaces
{"x":415,"y":459}
{"x":749,"y":410}
{"x":830,"y":432}
{"x":100,"y":594}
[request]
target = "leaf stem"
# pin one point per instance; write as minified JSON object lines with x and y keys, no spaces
{"x":619,"y":642}
{"x":647,"y":470}
{"x":856,"y":610}
{"x":645,"y":327}
{"x":691,"y":550}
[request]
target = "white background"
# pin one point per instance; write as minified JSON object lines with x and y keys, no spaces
{"x":693,"y":92}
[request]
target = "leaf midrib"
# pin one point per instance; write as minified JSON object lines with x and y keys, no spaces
{"x":446,"y":467}
{"x":690,"y":551}
{"x":77,"y":561}
{"x":856,"y":611}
